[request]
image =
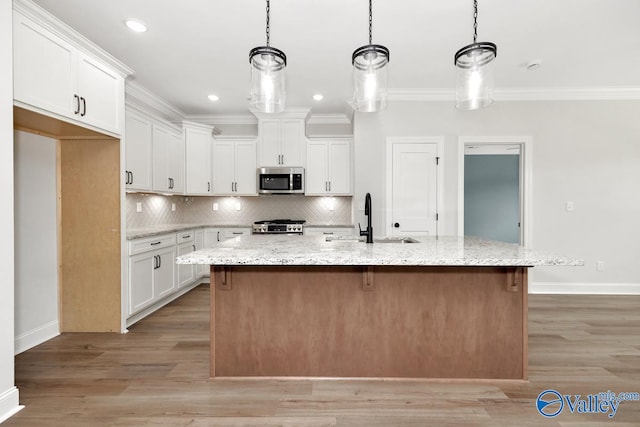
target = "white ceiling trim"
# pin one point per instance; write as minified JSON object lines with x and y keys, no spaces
{"x":537,"y":94}
{"x":139,"y":95}
{"x":329,"y":119}
{"x":227,"y":119}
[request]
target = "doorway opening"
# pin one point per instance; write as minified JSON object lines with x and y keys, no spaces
{"x":494,"y":188}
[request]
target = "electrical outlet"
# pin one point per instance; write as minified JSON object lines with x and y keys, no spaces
{"x":173,"y":207}
{"x":570,"y":206}
{"x":238,"y":206}
{"x":138,"y":206}
{"x":600,"y":265}
{"x":215,"y":207}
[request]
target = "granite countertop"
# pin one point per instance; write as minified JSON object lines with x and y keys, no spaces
{"x":153,"y":230}
{"x":316,"y":250}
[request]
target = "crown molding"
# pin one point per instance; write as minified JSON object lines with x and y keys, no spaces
{"x":289,"y":113}
{"x":522,"y":94}
{"x":329,"y":119}
{"x":612,"y":93}
{"x":138,"y":95}
{"x":62,"y":30}
{"x":227,"y":119}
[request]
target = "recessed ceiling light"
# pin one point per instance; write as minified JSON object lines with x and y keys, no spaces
{"x":213,"y":98}
{"x":136,"y":25}
{"x":318,"y":97}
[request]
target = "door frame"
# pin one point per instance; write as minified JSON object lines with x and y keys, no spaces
{"x":526,"y":181}
{"x":439,"y":141}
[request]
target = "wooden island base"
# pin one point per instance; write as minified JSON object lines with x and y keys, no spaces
{"x":382,"y":322}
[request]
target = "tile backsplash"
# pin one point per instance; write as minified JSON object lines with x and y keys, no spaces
{"x":157,"y":209}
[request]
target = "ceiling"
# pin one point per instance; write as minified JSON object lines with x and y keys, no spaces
{"x":197,"y":47}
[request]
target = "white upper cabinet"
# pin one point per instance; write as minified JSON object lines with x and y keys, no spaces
{"x":328,"y":167}
{"x":282,"y":141}
{"x":138,"y":151}
{"x":168,"y":160}
{"x":234,"y":167}
{"x":198,"y":146}
{"x":54,"y":77}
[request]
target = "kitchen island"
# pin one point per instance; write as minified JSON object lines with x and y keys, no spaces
{"x":308,"y":306}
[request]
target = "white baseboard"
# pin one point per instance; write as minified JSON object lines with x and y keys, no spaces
{"x":36,"y":336}
{"x":585,"y":288}
{"x":9,"y":404}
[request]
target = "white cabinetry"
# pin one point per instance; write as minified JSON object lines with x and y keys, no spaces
{"x":51,"y":75}
{"x":198,"y":142}
{"x":138,"y":149}
{"x":281,"y":142}
{"x":328,"y":167}
{"x":152,"y":270}
{"x":329,"y":231}
{"x":168,"y":160}
{"x":186,"y":243}
{"x":234,"y":167}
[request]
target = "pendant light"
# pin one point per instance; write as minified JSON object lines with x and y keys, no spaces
{"x":474,"y":88}
{"x":370,"y":65}
{"x":268,"y":76}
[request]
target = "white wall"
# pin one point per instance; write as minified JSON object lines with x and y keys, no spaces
{"x":36,"y":289}
{"x":587,"y":152}
{"x":8,"y":391}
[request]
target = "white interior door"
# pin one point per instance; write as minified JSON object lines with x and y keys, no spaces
{"x":414,"y":184}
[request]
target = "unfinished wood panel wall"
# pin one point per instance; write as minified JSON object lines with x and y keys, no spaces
{"x":90,"y":285}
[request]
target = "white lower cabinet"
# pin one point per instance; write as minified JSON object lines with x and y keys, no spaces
{"x":152,"y":270}
{"x":154,"y":278}
{"x":186,"y":243}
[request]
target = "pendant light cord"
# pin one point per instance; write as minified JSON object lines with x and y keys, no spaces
{"x":475,"y":20}
{"x":370,"y":21}
{"x":268,"y":30}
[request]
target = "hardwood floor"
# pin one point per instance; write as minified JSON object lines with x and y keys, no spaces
{"x":157,"y":375}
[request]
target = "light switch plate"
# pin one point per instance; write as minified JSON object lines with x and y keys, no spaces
{"x":570,"y":206}
{"x":215,"y":207}
{"x":173,"y":207}
{"x":138,"y":206}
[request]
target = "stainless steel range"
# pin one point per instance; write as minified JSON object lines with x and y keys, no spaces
{"x":279,"y":226}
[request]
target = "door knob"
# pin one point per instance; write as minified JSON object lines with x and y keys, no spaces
{"x":396,"y":225}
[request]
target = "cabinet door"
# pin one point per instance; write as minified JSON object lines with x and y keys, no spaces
{"x":270,"y":147}
{"x":293,"y":142}
{"x":175,"y":164}
{"x":43,"y":68}
{"x":316,"y":172}
{"x":224,"y":168}
{"x":102,"y":94}
{"x":339,"y":171}
{"x":201,"y":270}
{"x":141,"y":272}
{"x":186,"y":272}
{"x":245,"y":162}
{"x":198,"y":162}
{"x":161,"y":159}
{"x":164,"y":276}
{"x":138,"y":145}
{"x":212,"y":236}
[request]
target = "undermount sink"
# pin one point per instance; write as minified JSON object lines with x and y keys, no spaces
{"x":396,"y":240}
{"x":380,"y":240}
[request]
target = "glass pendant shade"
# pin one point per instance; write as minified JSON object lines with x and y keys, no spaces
{"x":268,"y":67}
{"x":474,"y":64}
{"x":370,"y":69}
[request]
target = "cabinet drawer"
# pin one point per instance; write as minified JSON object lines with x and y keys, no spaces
{"x":186,"y":236}
{"x":230,"y":233}
{"x":139,"y":246}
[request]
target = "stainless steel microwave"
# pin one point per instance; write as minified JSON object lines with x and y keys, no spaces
{"x":280,"y":180}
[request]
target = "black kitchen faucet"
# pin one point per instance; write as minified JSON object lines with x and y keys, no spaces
{"x":367,"y":211}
